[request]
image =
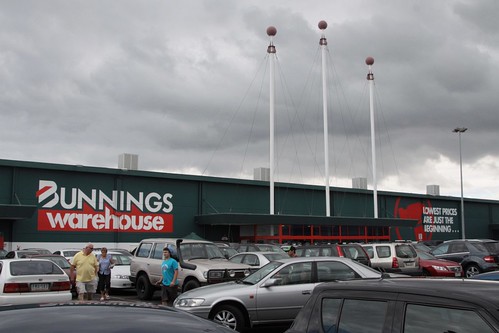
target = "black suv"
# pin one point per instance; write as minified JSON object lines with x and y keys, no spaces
{"x":475,"y":255}
{"x":408,"y":305}
{"x":351,"y":250}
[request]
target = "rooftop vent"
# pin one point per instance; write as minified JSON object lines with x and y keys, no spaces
{"x":261,"y":174}
{"x":360,"y":183}
{"x":432,"y":189}
{"x":128,"y":161}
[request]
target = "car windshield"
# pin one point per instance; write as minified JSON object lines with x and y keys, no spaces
{"x":200,"y":251}
{"x":121,"y":259}
{"x":262,"y":272}
{"x":426,"y":255}
{"x":71,"y":253}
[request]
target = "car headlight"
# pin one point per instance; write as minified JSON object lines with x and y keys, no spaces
{"x":247,"y":272}
{"x":188,"y":302}
{"x":440,"y":268}
{"x":121,"y":277}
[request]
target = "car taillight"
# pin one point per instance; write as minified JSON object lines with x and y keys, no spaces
{"x":61,"y":286}
{"x":15,"y":288}
{"x":489,"y":259}
{"x":395,"y":263}
{"x":340,"y":251}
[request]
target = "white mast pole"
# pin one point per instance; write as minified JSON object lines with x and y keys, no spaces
{"x":271,"y":32}
{"x":323,"y":44}
{"x":370,"y":79}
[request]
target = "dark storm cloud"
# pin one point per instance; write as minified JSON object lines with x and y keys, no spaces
{"x":185,"y":86}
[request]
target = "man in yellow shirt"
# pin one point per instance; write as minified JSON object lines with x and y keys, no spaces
{"x":86,"y":266}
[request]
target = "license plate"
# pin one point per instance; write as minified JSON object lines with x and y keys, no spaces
{"x":457,"y":274}
{"x":40,"y":287}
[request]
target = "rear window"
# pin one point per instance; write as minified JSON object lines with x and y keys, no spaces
{"x":354,"y":252}
{"x":18,"y":268}
{"x":405,"y":251}
{"x":492,"y":247}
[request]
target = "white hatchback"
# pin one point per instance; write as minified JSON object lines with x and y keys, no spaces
{"x":28,"y":281}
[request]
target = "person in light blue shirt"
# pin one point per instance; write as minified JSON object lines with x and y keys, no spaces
{"x":106,"y":263}
{"x":169,"y":282}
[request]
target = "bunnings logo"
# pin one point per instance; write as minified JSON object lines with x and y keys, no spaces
{"x":72,"y":209}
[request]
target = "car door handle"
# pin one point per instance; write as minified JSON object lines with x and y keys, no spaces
{"x":306,"y":292}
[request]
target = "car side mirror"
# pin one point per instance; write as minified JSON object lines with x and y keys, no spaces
{"x":272,"y":282}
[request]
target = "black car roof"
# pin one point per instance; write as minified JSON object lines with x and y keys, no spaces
{"x":108,"y":317}
{"x":459,"y":289}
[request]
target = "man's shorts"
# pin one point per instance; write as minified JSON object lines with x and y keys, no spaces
{"x":168,"y":293}
{"x":86,"y":287}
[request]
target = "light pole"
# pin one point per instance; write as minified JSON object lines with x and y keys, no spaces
{"x":460,"y":130}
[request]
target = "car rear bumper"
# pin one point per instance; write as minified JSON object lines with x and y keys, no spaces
{"x":17,"y":299}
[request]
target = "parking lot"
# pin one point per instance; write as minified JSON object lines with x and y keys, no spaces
{"x":129,"y":295}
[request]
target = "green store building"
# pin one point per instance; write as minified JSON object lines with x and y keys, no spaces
{"x":61,"y":206}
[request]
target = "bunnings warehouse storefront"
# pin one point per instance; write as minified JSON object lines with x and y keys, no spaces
{"x":60,"y":206}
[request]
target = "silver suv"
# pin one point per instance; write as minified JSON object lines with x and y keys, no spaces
{"x":201,"y":263}
{"x":394,"y":258}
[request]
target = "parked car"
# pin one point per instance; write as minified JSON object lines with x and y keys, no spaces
{"x":226,"y":249}
{"x":475,"y":256}
{"x":422,"y":246}
{"x":25,"y":281}
{"x":120,"y":273}
{"x":113,"y":316}
{"x":273,"y":294}
{"x":67,"y":253}
{"x":16,"y":254}
{"x":253,"y":247}
{"x":353,"y":251}
{"x":201,"y":263}
{"x":394,"y":258}
{"x":256,"y":259}
{"x":62,"y":263}
{"x":39,"y":250}
{"x":432,"y":266}
{"x":400,"y":305}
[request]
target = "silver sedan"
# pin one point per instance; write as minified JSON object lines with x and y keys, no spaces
{"x":273,"y":294}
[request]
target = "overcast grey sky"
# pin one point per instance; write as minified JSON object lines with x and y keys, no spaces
{"x":185,"y":85}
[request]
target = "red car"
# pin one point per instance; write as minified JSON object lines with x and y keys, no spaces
{"x":432,"y":266}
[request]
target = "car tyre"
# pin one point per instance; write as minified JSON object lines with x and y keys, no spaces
{"x":191,"y":284}
{"x":229,"y":316}
{"x":472,"y":270}
{"x":144,"y":289}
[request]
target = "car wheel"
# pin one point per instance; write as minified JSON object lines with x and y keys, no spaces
{"x":191,"y":284}
{"x":229,"y":316}
{"x":472,"y":270}
{"x":144,"y":288}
